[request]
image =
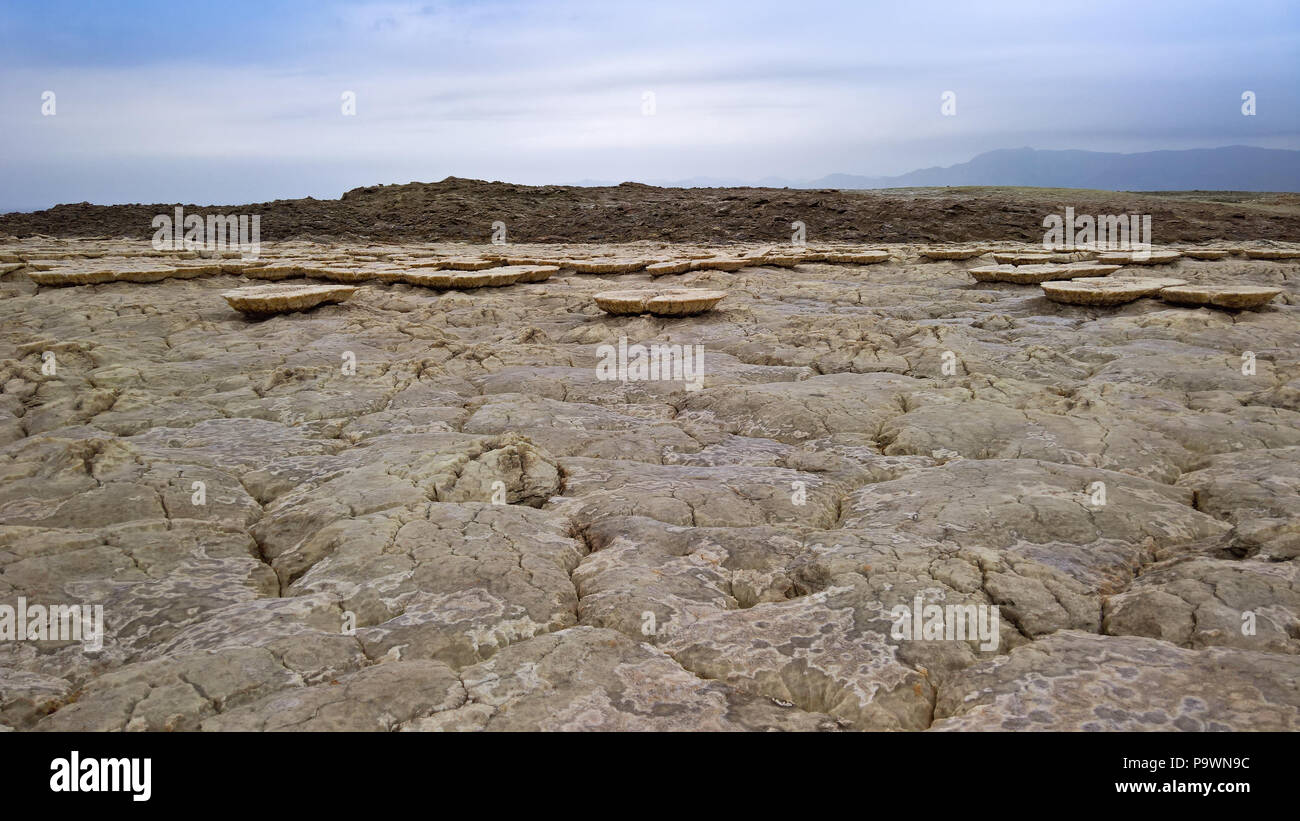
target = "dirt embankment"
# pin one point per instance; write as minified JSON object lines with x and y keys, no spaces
{"x":458,"y":209}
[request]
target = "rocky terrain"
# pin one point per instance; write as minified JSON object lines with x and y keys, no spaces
{"x":429,"y":510}
{"x":460,"y":209}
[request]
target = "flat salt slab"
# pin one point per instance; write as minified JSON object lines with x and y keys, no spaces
{"x":1138,"y":257}
{"x":1105,"y":290}
{"x":659,"y":269}
{"x":950,"y":253}
{"x":466,"y":264}
{"x":1034,"y":274}
{"x":513,"y":261}
{"x":840,"y":255}
{"x":1004,"y":249}
{"x":683,"y":301}
{"x":606,"y":266}
{"x":1038,"y":257}
{"x":1077,"y":250}
{"x":498,"y":277}
{"x":811,"y":255}
{"x":355,"y":274}
{"x":787,"y":257}
{"x":670,"y":302}
{"x":66,"y":276}
{"x":1225,"y":296}
{"x":530,"y":273}
{"x":284,"y":269}
{"x":623,"y":303}
{"x":462,"y":280}
{"x":1206,"y":253}
{"x":1273,"y":253}
{"x":426,"y":278}
{"x":454,"y":263}
{"x":857,"y":257}
{"x":774,"y":261}
{"x":79,"y":271}
{"x":97,"y":273}
{"x":1022,"y":257}
{"x":178,"y":254}
{"x":263,"y":300}
{"x":143,"y":274}
{"x":719,"y":264}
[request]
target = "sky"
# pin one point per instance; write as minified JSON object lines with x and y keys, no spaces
{"x":236,"y":102}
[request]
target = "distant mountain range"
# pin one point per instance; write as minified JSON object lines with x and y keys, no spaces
{"x":1231,"y":168}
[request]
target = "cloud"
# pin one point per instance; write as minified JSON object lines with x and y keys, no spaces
{"x":553,"y":92}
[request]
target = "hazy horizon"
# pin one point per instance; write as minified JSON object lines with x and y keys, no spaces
{"x":157,"y":104}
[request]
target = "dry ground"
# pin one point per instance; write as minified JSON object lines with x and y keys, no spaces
{"x":665,"y":558}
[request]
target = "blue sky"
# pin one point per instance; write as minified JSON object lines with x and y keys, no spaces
{"x":236,"y":101}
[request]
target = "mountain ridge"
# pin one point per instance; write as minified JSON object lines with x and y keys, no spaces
{"x":1226,"y":168}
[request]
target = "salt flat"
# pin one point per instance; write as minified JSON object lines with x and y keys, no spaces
{"x":426,"y":509}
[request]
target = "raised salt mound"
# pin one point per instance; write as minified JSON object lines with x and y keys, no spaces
{"x":1220,"y":296}
{"x":605,"y":266}
{"x":1139,"y":257}
{"x":262,"y":300}
{"x":679,"y":266}
{"x":1034,"y":274}
{"x":856,"y":257}
{"x":1273,"y":253}
{"x":671,"y":302}
{"x":1105,"y":290}
{"x":684,"y":302}
{"x":950,"y":253}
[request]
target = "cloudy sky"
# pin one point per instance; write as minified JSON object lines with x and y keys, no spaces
{"x":233,"y":101}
